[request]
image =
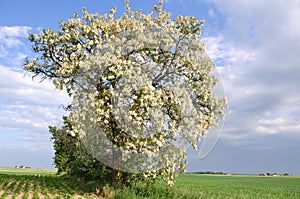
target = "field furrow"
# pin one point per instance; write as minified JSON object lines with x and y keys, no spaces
{"x":19,"y":195}
{"x":30,"y":190}
{"x":9,"y":188}
{"x":38,"y":187}
{"x":44,"y":189}
{"x":15,"y":189}
{"x":18,"y":189}
{"x":37,"y":190}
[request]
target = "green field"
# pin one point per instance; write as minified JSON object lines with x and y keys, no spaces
{"x":40,"y":183}
{"x":37,"y":184}
{"x":208,"y":186}
{"x":27,"y":171}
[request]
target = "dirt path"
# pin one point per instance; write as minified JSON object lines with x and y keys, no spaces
{"x":1,"y":189}
{"x":40,"y":193}
{"x":30,"y":192}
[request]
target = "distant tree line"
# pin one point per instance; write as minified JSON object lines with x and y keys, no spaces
{"x":221,"y":173}
{"x":273,"y":174}
{"x":207,"y":172}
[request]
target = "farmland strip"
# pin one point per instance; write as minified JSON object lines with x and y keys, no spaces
{"x":9,"y":188}
{"x":18,"y":188}
{"x":22,"y":190}
{"x":44,"y":188}
{"x":31,"y":188}
{"x":49,"y":184}
{"x":26,"y":189}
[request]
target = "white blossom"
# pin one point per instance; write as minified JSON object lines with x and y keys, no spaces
{"x":142,"y":87}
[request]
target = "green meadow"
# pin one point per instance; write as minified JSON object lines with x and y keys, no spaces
{"x":41,"y":183}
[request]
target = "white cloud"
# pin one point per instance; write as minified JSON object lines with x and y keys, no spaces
{"x":285,"y":122}
{"x":14,"y":31}
{"x":260,"y":47}
{"x":9,"y":35}
{"x":20,"y":87}
{"x":224,"y":53}
{"x":3,"y":51}
{"x":29,"y":106}
{"x":14,"y":45}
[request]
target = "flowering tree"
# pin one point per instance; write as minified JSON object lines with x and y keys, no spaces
{"x":141,"y":86}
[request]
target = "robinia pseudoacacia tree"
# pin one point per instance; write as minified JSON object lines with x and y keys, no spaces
{"x":141,"y":84}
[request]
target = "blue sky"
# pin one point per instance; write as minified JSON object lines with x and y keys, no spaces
{"x":256,"y":45}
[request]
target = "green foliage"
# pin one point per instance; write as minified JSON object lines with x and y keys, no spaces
{"x":9,"y":189}
{"x":18,"y":189}
{"x":64,"y":145}
{"x":71,"y":156}
{"x":37,"y":186}
{"x":26,"y":189}
{"x":35,"y":189}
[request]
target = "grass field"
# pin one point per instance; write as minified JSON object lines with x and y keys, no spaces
{"x":201,"y":186}
{"x":39,"y":183}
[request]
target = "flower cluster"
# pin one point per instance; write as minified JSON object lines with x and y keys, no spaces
{"x":141,"y":86}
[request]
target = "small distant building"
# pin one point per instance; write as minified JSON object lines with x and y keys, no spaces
{"x":22,"y":167}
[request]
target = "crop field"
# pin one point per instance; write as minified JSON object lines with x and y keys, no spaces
{"x":210,"y":186}
{"x":27,"y":171}
{"x":37,"y":186}
{"x":22,"y":184}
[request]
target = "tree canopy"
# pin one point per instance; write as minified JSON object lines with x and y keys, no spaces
{"x":141,"y":84}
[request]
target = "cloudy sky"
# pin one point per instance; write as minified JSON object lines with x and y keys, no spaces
{"x":255,"y":44}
